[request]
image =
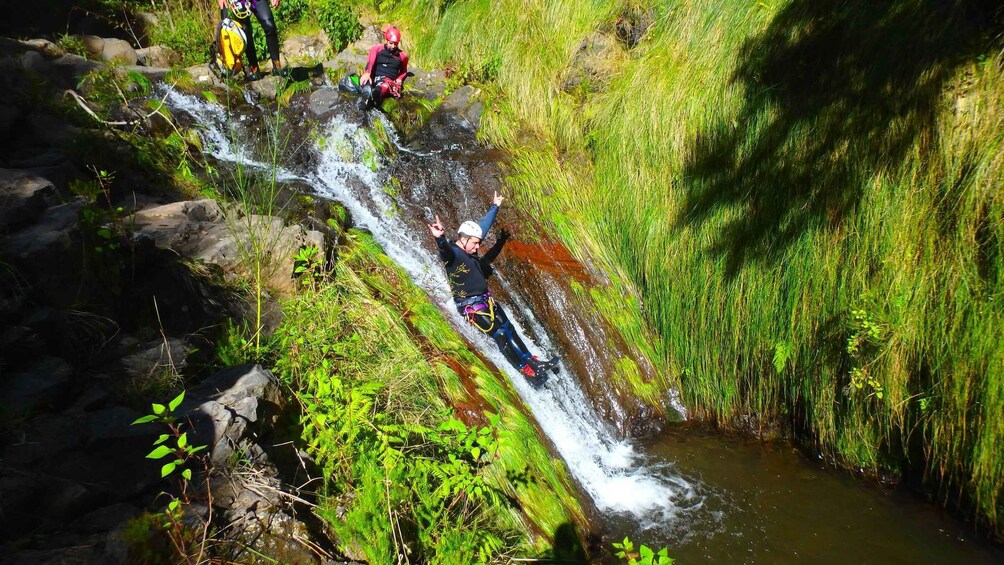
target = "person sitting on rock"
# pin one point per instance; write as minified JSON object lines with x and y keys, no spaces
{"x":241,"y":11}
{"x":386,"y":69}
{"x":468,"y":275}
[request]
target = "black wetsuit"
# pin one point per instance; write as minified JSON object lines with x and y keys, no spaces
{"x":468,"y":275}
{"x":263,"y":12}
{"x":385,"y":66}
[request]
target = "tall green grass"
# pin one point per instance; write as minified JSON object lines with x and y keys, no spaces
{"x":806,"y":195}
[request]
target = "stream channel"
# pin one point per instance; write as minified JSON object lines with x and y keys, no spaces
{"x":708,"y":498}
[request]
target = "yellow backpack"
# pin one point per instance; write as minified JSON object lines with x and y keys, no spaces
{"x":230,"y":45}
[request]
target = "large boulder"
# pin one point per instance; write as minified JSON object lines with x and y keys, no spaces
{"x":347,"y":62}
{"x":324,"y":100}
{"x":427,"y":84}
{"x":230,"y":407}
{"x":306,"y":48}
{"x":158,"y":56}
{"x":202,"y":230}
{"x":118,"y":51}
{"x":23,"y":198}
{"x":201,"y":74}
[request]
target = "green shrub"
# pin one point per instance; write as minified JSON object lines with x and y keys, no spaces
{"x":191,"y":36}
{"x":338,"y":21}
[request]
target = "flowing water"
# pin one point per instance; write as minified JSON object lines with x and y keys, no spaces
{"x":689,"y":492}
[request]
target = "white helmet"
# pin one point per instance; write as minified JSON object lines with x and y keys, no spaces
{"x":470,"y":229}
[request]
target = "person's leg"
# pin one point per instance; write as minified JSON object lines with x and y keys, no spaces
{"x":263,"y":11}
{"x":505,"y":336}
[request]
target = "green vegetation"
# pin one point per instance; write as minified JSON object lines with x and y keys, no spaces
{"x":754,"y":170}
{"x":644,"y":556}
{"x":148,"y":531}
{"x":423,"y":449}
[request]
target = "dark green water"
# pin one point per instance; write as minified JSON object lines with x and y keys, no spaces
{"x":761,"y":503}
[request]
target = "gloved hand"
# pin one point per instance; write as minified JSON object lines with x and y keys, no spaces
{"x":223,"y":14}
{"x":504,"y":235}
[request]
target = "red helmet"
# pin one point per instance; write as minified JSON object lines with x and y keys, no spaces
{"x":392,"y":35}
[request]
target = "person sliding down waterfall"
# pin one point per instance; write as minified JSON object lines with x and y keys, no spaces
{"x":468,"y":274}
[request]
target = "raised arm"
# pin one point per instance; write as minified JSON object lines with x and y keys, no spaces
{"x":445,"y":251}
{"x":489,"y":217}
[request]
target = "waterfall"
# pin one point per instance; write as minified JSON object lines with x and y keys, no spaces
{"x":616,"y":475}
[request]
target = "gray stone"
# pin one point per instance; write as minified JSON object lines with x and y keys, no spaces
{"x":347,"y":62}
{"x":323,"y":100}
{"x":148,"y":19}
{"x":267,"y":87}
{"x":47,"y":435}
{"x":202,"y":75}
{"x":44,"y":46}
{"x":118,"y":51}
{"x":156,"y":359}
{"x":23,"y":198}
{"x":158,"y":56}
{"x":41,"y":383}
{"x":33,"y":61}
{"x":113,"y":423}
{"x":48,"y":238}
{"x":306,"y":48}
{"x":150,"y":72}
{"x":428,"y":84}
{"x":20,"y":341}
{"x":459,"y":99}
{"x":181,"y":226}
{"x":94,"y":44}
{"x":223,"y":407}
{"x":74,"y":67}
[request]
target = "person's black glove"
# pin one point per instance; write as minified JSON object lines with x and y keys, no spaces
{"x":504,"y":235}
{"x":223,"y":14}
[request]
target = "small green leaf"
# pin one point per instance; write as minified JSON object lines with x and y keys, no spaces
{"x":187,"y":473}
{"x":173,"y":505}
{"x":158,"y":409}
{"x":159,"y":452}
{"x":476,"y":452}
{"x":144,"y":419}
{"x":168,"y":468}
{"x":161,"y":439}
{"x":173,"y":405}
{"x":183,"y":440}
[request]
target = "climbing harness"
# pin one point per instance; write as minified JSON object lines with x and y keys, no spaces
{"x":481,"y":307}
{"x":240,"y":8}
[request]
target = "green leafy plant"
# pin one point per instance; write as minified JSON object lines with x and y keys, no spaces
{"x":644,"y":555}
{"x":175,"y":447}
{"x":181,"y":452}
{"x":864,"y":345}
{"x":338,"y":21}
{"x":307,"y":265}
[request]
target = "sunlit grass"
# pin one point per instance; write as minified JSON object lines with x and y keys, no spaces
{"x":760,"y":172}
